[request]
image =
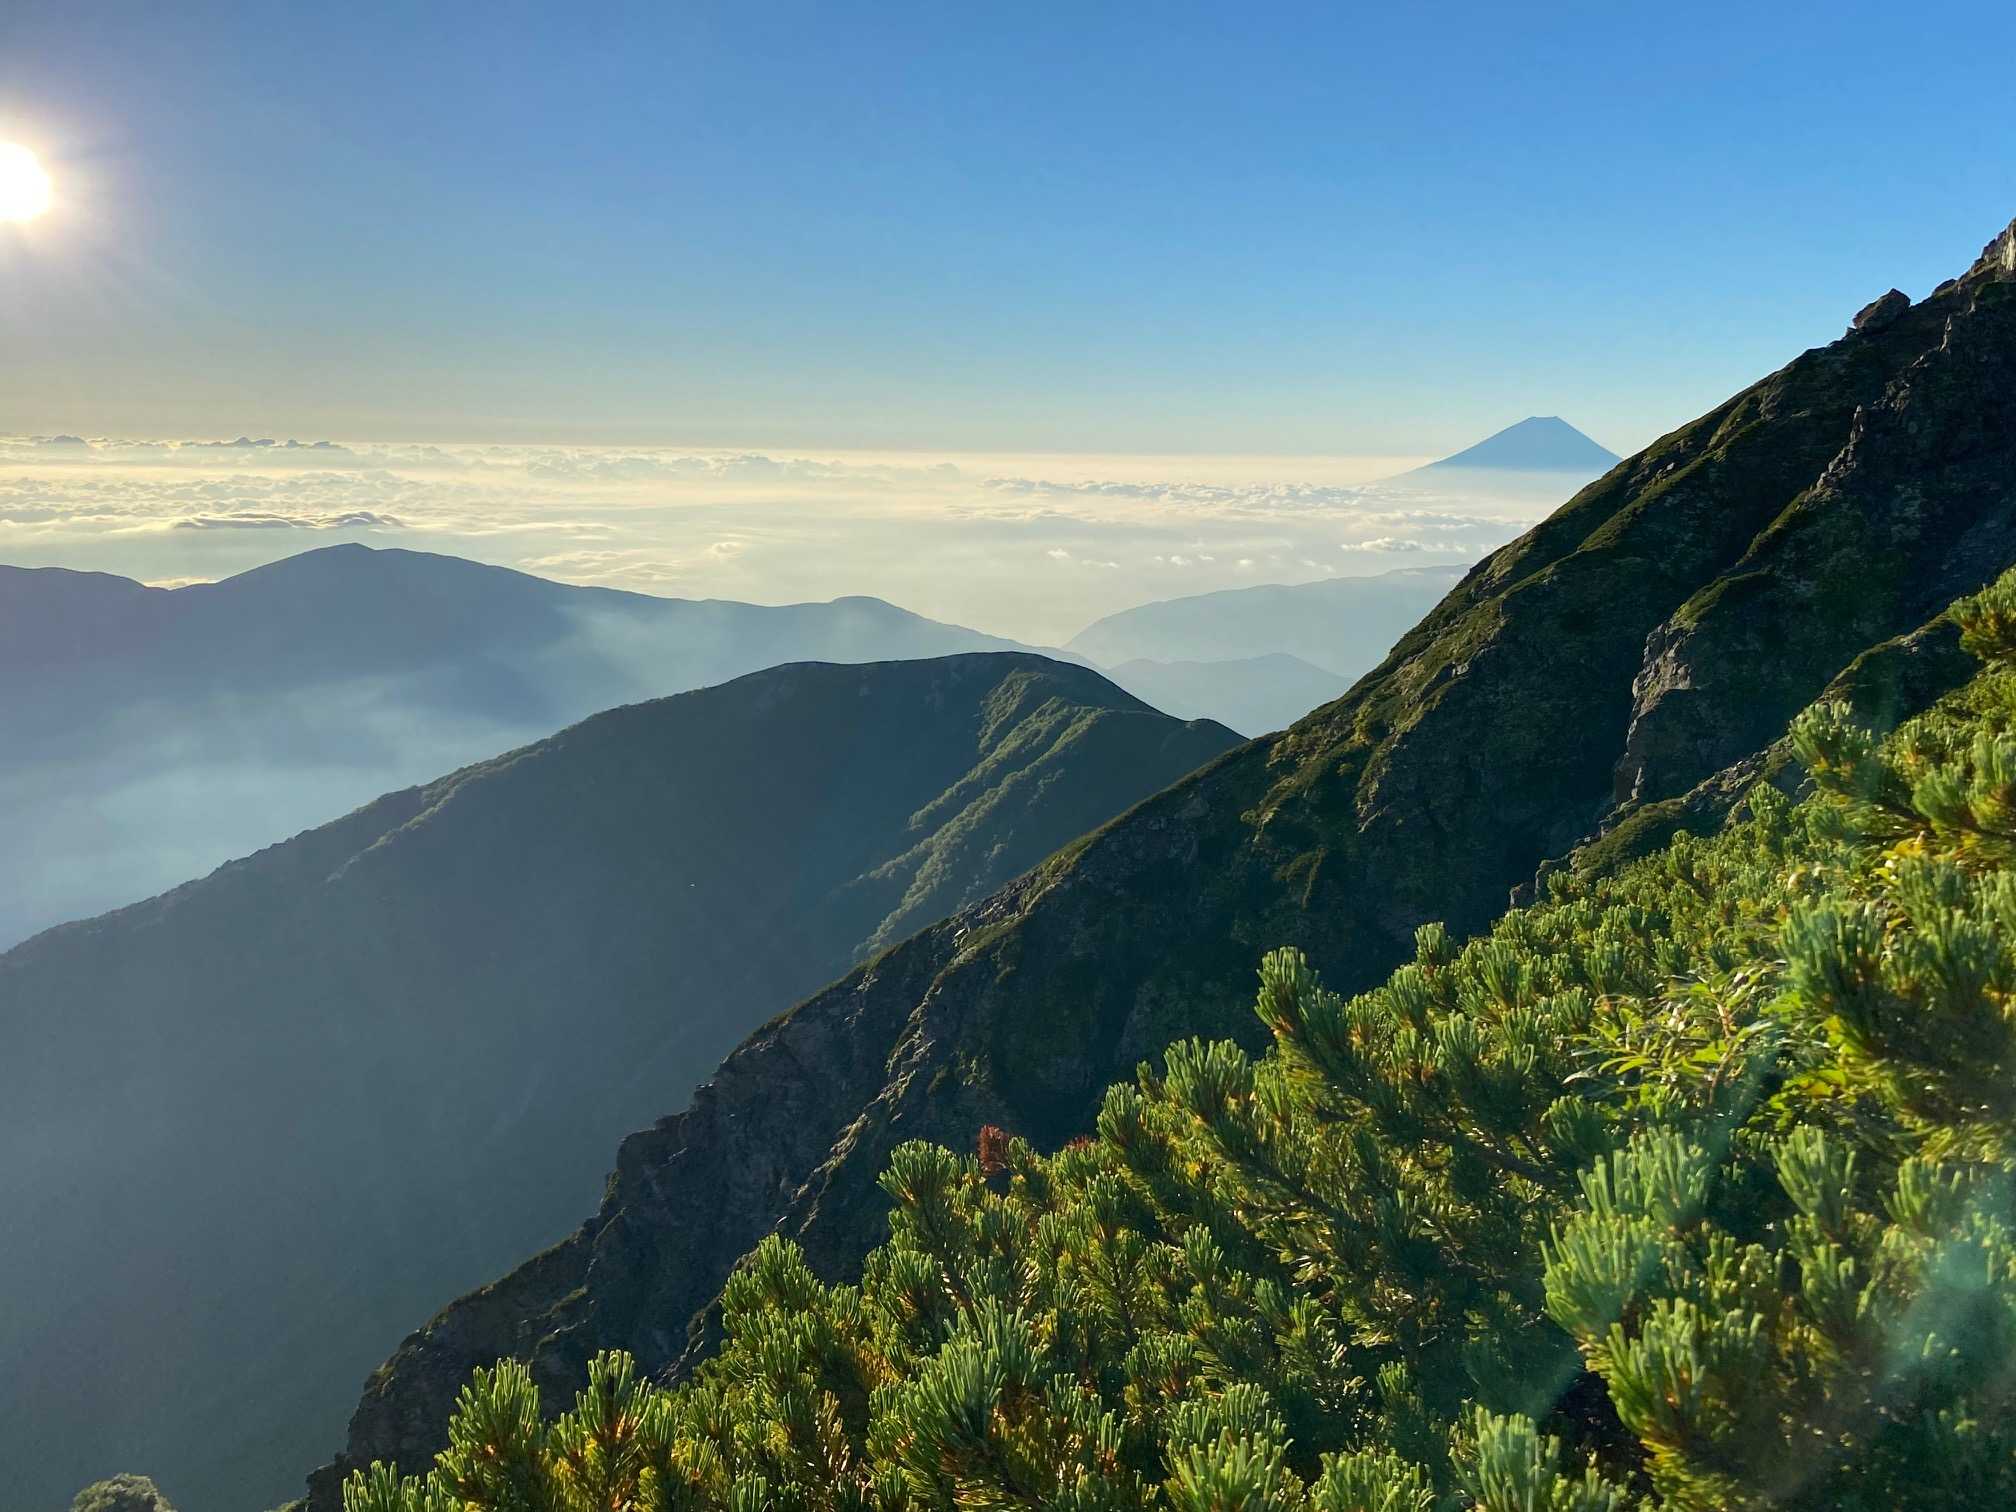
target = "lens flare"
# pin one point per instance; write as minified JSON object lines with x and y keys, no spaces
{"x":24,"y":187}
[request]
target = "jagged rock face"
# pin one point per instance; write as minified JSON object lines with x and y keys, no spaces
{"x":1998,"y":257}
{"x":1913,"y":508}
{"x":1657,"y":630}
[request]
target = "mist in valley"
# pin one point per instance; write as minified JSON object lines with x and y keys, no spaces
{"x":156,"y":734}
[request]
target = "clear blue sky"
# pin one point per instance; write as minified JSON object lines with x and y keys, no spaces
{"x":1167,"y":227}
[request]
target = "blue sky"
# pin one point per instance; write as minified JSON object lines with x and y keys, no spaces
{"x":1231,"y":229}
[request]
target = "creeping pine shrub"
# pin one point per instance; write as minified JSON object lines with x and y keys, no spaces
{"x":1690,"y":1188}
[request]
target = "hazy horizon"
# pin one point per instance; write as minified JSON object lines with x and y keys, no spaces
{"x":1484,"y":516}
{"x":1034,"y":547}
{"x":1317,"y":230}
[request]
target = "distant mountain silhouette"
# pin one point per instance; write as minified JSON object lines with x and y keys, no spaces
{"x":151,"y":734}
{"x":1342,"y":626}
{"x":1539,"y":443}
{"x":1252,"y":694}
{"x":259,"y":1127}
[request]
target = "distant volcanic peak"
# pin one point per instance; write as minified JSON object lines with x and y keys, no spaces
{"x":1539,"y":443}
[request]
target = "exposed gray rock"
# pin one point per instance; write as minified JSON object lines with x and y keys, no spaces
{"x":1885,"y":685}
{"x":1916,"y":507}
{"x":1998,"y":257}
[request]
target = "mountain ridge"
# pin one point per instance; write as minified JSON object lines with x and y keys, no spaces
{"x":298,"y":1083}
{"x":156,"y":733}
{"x":1522,"y":716}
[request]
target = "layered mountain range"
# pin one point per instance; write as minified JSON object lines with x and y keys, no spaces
{"x":1260,"y":658}
{"x":1584,"y":690}
{"x":154,"y":733}
{"x":1252,"y":694}
{"x":259,"y":1125}
{"x":1342,"y":626}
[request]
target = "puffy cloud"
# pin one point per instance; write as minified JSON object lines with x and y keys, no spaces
{"x":1060,"y":555}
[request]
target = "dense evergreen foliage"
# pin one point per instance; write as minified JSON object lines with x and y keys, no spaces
{"x":1626,"y":668}
{"x":121,"y":1493}
{"x":1687,"y":1188}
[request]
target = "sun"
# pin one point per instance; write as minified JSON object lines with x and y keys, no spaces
{"x":24,"y":187}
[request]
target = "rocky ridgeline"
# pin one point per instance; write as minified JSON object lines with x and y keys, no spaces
{"x":1611,"y":675}
{"x":374,"y":1065}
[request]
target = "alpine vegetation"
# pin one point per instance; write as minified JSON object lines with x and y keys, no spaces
{"x":1688,"y":1187}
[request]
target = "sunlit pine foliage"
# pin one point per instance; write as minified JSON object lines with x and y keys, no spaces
{"x":1688,"y":1188}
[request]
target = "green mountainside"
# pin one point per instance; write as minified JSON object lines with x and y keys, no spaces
{"x":1687,"y":1189}
{"x":153,"y":734}
{"x":357,"y":1072}
{"x":1607,"y":678}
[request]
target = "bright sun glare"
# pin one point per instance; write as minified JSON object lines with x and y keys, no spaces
{"x":24,"y":187}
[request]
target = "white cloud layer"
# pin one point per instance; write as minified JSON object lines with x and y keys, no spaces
{"x":1029,"y":547}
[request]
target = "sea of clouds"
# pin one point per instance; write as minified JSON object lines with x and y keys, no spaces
{"x":1029,"y":547}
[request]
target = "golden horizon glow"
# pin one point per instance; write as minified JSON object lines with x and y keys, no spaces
{"x":24,"y":186}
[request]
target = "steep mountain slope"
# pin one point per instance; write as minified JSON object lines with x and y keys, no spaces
{"x":1252,"y":694}
{"x":1682,"y":1191}
{"x":332,"y":1083}
{"x":1842,"y":501}
{"x":1539,"y":443}
{"x":152,"y":734}
{"x":1342,"y":625}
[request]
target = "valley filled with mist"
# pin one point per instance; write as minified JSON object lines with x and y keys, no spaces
{"x":345,"y":772}
{"x":160,"y":731}
{"x":907,"y":759}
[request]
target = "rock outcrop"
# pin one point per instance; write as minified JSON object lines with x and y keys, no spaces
{"x":1880,"y":312}
{"x":1656,"y":632}
{"x":1998,"y":258}
{"x":1890,"y":529}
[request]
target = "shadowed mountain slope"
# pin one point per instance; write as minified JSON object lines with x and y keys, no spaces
{"x":152,"y":734}
{"x":257,"y":1126}
{"x":1661,"y":626}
